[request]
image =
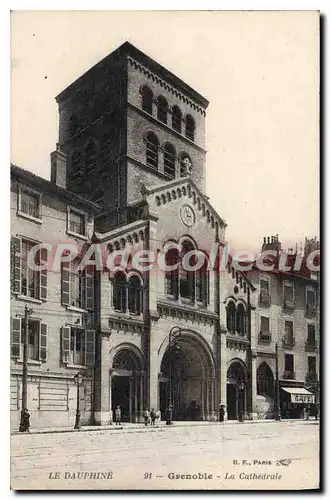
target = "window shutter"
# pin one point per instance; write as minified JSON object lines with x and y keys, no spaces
{"x":89,"y":288}
{"x":16,"y":337}
{"x":66,"y":330}
{"x":43,"y":275}
{"x":43,"y":342}
{"x":90,"y":347}
{"x":65,"y":283}
{"x":16,"y":255}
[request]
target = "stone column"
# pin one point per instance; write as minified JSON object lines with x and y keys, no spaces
{"x":223,"y":371}
{"x":130,"y":401}
{"x":203,"y":399}
{"x":136,"y":410}
{"x":102,"y":387}
{"x":253,"y":386}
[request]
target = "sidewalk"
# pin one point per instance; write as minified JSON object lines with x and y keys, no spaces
{"x":129,"y":427}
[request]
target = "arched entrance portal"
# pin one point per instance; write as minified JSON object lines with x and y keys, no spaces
{"x":127,"y":385}
{"x":236,"y":390}
{"x":187,"y":377}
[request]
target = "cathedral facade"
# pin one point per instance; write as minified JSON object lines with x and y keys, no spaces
{"x":131,"y":153}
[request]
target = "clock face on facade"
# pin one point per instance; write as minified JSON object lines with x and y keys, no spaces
{"x":187,"y":215}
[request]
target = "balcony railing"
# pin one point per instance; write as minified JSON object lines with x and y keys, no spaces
{"x":311,"y":377}
{"x":264,"y":337}
{"x":288,"y":304}
{"x":288,"y":341}
{"x":310,"y":311}
{"x":264,"y":298}
{"x":288,"y":375}
{"x":310,"y":345}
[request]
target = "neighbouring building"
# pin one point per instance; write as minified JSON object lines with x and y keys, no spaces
{"x":129,"y":174}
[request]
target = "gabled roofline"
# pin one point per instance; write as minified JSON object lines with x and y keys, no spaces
{"x":30,"y":178}
{"x":176,"y":182}
{"x":127,"y":49}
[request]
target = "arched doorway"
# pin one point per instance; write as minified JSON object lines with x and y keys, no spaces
{"x":126,"y":385}
{"x":236,"y":389}
{"x":265,"y":381}
{"x":187,"y":378}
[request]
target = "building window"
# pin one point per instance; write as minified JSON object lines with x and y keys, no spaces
{"x":288,"y":366}
{"x":171,"y":277}
{"x":152,"y":145}
{"x":288,"y":339}
{"x":202,"y":285}
{"x":162,"y":109}
{"x":127,"y":294}
{"x":119,"y":292}
{"x":169,"y":160}
{"x":264,"y":334}
{"x":29,"y":203}
{"x":240,"y":320}
{"x":311,"y":335}
{"x":176,"y":119}
{"x":190,"y":127}
{"x":186,"y":278}
{"x":264,"y":298}
{"x":37,"y":339}
{"x":77,"y":222}
{"x":147,"y":100}
{"x":134,"y":295}
{"x":77,"y":289}
{"x":288,"y":296}
{"x":34,"y":333}
{"x":77,"y":346}
{"x":231,"y":310}
{"x":310,"y":302}
{"x":29,"y":277}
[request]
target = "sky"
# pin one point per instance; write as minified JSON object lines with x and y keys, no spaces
{"x":259,"y":70}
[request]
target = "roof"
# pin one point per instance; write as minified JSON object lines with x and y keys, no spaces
{"x":127,"y":49}
{"x":30,"y":178}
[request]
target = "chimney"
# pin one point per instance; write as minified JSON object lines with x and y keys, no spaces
{"x":58,"y":167}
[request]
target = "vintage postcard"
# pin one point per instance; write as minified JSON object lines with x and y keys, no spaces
{"x":165,"y":250}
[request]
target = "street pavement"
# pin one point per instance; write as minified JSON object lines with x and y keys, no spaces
{"x":238,"y":456}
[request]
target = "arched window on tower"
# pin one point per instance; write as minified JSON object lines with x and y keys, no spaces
{"x":162,"y":109}
{"x":231,"y":317}
{"x":185,"y":165}
{"x":169,"y":160}
{"x":190,"y":127}
{"x":240,"y":319}
{"x":134,"y":295}
{"x":147,"y":99}
{"x":176,"y":119}
{"x":187,"y":277}
{"x":120,"y":292}
{"x":152,"y":145}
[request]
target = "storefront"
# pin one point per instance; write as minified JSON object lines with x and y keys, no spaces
{"x":294,"y":400}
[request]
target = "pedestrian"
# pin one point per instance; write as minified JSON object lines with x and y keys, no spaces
{"x":158,"y":415}
{"x":153,"y":416}
{"x":169,"y":413}
{"x":118,"y":415}
{"x":25,"y":421}
{"x":146,"y":415}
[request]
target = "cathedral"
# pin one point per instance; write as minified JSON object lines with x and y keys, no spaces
{"x":129,"y":173}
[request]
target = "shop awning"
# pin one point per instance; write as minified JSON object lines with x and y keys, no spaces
{"x":300,"y":395}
